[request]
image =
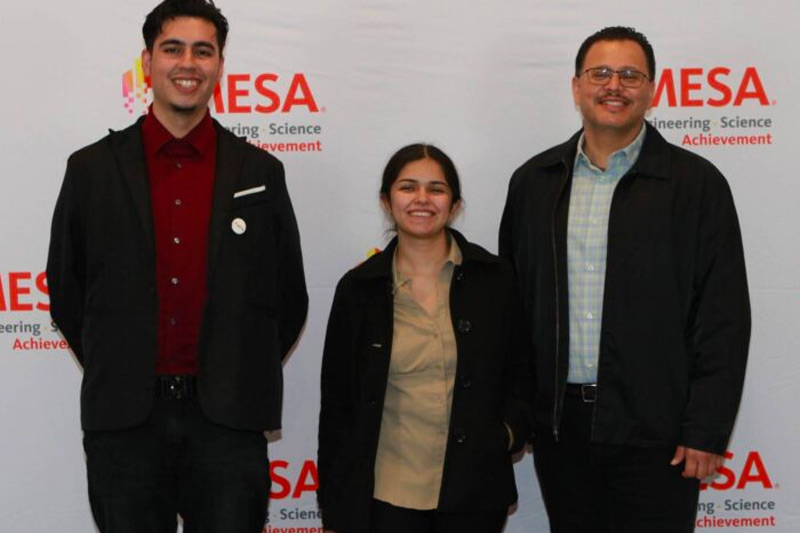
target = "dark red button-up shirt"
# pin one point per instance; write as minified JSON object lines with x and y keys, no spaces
{"x":181,"y":175}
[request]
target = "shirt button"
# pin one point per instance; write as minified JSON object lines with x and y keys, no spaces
{"x":173,"y":321}
{"x":589,"y":365}
{"x":174,"y":281}
{"x":178,"y":201}
{"x":590,"y":316}
{"x":176,"y":240}
{"x":590,"y":268}
{"x":178,"y":166}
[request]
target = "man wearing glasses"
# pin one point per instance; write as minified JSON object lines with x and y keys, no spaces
{"x":630,"y":261}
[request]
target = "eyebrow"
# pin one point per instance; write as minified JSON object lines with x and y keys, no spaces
{"x":432,"y":182}
{"x":197,"y":44}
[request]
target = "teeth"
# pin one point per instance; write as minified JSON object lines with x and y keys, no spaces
{"x":186,"y":83}
{"x":421,"y":214}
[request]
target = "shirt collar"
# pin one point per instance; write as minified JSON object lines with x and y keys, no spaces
{"x":454,"y":257}
{"x":630,"y":153}
{"x":157,"y":138}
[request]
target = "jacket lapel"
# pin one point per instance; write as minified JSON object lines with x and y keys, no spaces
{"x":230,"y":157}
{"x":128,"y":150}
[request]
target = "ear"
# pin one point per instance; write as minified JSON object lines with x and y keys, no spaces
{"x":651,"y":89}
{"x":386,"y":205}
{"x":455,"y":209}
{"x":575,"y":90}
{"x":147,"y":59}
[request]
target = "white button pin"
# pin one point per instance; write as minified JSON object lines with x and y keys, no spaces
{"x":238,"y":226}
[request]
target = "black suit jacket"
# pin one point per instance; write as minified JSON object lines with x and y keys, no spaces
{"x":101,"y":277}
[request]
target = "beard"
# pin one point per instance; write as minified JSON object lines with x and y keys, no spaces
{"x":183,"y":109}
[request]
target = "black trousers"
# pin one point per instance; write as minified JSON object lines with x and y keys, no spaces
{"x":596,"y":488}
{"x":387,"y":518}
{"x":178,"y":462}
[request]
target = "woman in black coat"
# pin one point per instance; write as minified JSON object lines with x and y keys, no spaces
{"x":424,"y":383}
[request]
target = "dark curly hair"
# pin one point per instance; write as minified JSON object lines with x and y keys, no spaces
{"x":171,"y":9}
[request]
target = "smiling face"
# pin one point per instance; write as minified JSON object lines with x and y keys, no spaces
{"x":611,"y":108}
{"x":420,"y":201}
{"x":184,"y":66}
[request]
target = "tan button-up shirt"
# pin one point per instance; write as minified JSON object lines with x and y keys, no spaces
{"x":419,"y":394}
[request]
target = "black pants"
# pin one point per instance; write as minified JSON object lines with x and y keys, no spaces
{"x":595,"y":488}
{"x":178,"y":462}
{"x":387,"y":518}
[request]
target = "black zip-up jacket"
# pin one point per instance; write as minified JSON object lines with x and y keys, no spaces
{"x":676,"y":311}
{"x":490,"y":388}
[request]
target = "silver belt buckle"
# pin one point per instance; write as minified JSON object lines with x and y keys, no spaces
{"x":591,"y":396}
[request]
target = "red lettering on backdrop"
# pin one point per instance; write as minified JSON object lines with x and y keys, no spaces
{"x":15,"y":290}
{"x":298,"y":94}
{"x":687,"y":86}
{"x":665,"y":83}
{"x":41,"y":284}
{"x":716,"y":84}
{"x":760,"y":475}
{"x":299,"y":84}
{"x":751,"y":76}
{"x":753,"y":471}
{"x":307,"y":480}
{"x":234,"y":93}
{"x":278,"y":479}
{"x":272,"y":96}
{"x":750,"y":87}
{"x":2,"y":296}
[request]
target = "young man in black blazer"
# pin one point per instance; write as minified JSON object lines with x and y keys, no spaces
{"x":176,"y":276}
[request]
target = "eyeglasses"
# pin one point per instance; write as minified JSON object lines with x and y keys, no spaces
{"x":628,"y":77}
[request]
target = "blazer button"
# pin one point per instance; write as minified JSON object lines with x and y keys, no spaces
{"x":460,"y":435}
{"x":460,"y":275}
{"x":464,"y":325}
{"x":466,"y":382}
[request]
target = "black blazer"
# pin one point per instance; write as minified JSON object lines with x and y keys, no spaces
{"x":491,"y":381}
{"x":101,"y":277}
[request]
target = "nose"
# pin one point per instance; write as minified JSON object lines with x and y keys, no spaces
{"x":421,"y":195}
{"x":614,"y":83}
{"x":187,"y":57}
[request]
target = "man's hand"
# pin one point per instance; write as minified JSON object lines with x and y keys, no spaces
{"x":698,"y":464}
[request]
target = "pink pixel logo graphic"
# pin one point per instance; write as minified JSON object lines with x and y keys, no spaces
{"x":135,"y":88}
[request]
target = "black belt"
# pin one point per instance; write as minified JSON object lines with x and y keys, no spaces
{"x":176,"y":387}
{"x":587,"y":392}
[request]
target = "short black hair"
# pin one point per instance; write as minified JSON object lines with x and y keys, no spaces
{"x":617,"y":33}
{"x":415,"y":152}
{"x":172,"y":9}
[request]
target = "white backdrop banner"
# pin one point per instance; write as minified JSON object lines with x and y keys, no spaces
{"x":333,"y":89}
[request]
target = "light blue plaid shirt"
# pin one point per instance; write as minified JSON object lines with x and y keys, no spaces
{"x":587,"y":243}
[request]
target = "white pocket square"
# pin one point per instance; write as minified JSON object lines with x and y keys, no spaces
{"x":252,"y":190}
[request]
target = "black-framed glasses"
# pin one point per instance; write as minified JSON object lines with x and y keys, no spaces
{"x":628,"y":77}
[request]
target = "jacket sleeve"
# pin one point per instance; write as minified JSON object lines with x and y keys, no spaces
{"x":66,"y":264}
{"x":718,"y":333}
{"x":336,"y":397}
{"x":519,"y":382}
{"x":517,"y":378}
{"x":292,"y":294}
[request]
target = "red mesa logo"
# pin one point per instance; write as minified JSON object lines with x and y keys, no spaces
{"x":716,"y":87}
{"x":752,"y":471}
{"x":284,"y":487}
